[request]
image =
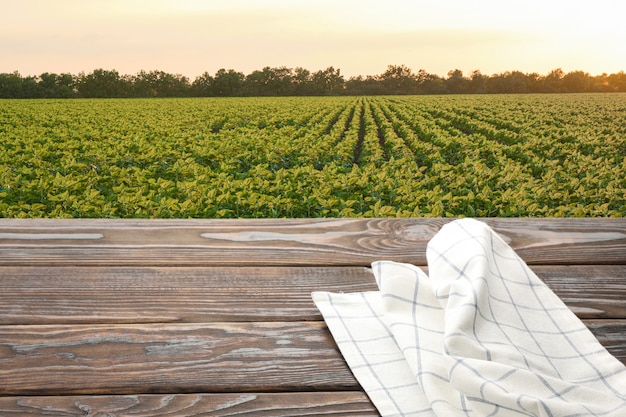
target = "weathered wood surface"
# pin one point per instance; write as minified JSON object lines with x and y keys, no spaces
{"x":189,"y":358}
{"x":170,"y":358}
{"x":84,"y":294}
{"x":334,"y":404}
{"x":273,"y":242}
{"x":214,"y":317}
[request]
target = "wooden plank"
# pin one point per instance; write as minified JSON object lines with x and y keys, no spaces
{"x":189,"y":358}
{"x":591,"y":291}
{"x":136,"y":359}
{"x":612,"y":335}
{"x":65,"y":295}
{"x":57,"y":295}
{"x":334,"y":404}
{"x":258,"y":242}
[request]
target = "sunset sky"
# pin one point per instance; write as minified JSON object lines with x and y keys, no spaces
{"x":362,"y":37}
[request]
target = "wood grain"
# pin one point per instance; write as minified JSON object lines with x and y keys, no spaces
{"x":214,"y":317}
{"x":135,"y":359}
{"x":57,"y":295}
{"x":118,"y":294}
{"x":258,"y":242}
{"x":189,"y":358}
{"x":612,"y":335}
{"x":591,"y":291}
{"x":334,"y":404}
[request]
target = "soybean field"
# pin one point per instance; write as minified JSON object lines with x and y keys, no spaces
{"x":379,"y":156}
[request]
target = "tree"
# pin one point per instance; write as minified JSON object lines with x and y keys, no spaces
{"x":552,"y":81}
{"x":399,"y":79}
{"x":65,"y":85}
{"x":103,"y":83}
{"x":227,"y":83}
{"x":31,"y":88}
{"x":11,"y":85}
{"x":617,"y":82}
{"x":534,"y":82}
{"x":280,"y":81}
{"x":478,"y":84}
{"x":269,"y":82}
{"x":144,"y":84}
{"x":302,"y":82}
{"x":328,"y":81}
{"x":283,"y":81}
{"x":576,"y":82}
{"x":256,"y":83}
{"x":171,"y":85}
{"x":514,"y":82}
{"x":159,"y":84}
{"x":201,"y":86}
{"x":430,"y":83}
{"x":57,"y":86}
{"x":456,"y":82}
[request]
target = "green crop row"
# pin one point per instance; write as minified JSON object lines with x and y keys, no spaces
{"x":472,"y":155}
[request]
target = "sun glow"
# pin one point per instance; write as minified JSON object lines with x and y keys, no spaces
{"x":360,"y":37}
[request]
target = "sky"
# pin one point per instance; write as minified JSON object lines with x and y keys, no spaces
{"x":360,"y":37}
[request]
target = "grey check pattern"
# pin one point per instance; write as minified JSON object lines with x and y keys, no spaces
{"x":482,"y":336}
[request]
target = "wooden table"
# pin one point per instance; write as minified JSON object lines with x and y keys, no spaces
{"x":214,"y":317}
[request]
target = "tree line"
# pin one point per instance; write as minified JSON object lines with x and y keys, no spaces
{"x":283,"y":81}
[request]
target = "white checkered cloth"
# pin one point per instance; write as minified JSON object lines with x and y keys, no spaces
{"x":483,"y":336}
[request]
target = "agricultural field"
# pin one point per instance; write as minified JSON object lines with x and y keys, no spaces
{"x":384,"y":156}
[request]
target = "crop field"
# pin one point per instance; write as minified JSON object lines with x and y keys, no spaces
{"x":384,"y":156}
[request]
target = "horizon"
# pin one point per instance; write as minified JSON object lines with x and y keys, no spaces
{"x":346,"y":78}
{"x":191,"y":37}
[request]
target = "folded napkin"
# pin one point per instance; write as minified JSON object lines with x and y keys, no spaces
{"x":482,"y":336}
